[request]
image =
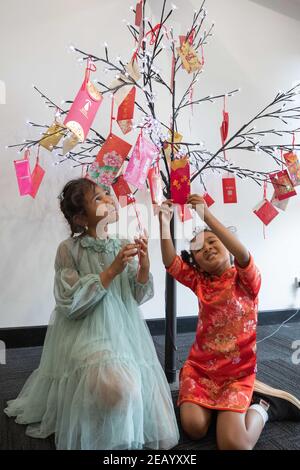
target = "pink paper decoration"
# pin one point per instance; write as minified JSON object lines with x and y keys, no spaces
{"x":23,"y":174}
{"x":139,"y":164}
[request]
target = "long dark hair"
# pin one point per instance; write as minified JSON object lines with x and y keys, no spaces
{"x":72,"y":201}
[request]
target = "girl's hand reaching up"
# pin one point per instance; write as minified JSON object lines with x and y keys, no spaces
{"x":125,"y":255}
{"x":166,"y":212}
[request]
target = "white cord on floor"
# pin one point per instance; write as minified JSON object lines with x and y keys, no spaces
{"x":274,"y":333}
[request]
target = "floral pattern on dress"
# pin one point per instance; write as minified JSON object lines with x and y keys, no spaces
{"x":219,"y":372}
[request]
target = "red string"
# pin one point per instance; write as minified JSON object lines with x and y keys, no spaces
{"x":294,"y":140}
{"x":153,"y":33}
{"x":91,"y":67}
{"x":265,"y":198}
{"x":112,"y":118}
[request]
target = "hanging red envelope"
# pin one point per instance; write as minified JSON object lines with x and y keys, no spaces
{"x":139,"y":13}
{"x":140,"y":162}
{"x":84,"y":108}
{"x":229,"y":190}
{"x":208,"y":199}
{"x":180,"y":180}
{"x":225,"y":127}
{"x":123,"y":192}
{"x":37,"y":177}
{"x":184,"y":213}
{"x":155,"y":185}
{"x":266,"y":212}
{"x":293,"y":165}
{"x":283,"y":185}
{"x":24,"y":178}
{"x":126,"y":112}
{"x":110,"y":159}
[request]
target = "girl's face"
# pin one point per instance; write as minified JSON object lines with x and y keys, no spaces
{"x":210,"y":255}
{"x":100,"y":207}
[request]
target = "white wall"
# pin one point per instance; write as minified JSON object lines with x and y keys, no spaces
{"x":254,"y":48}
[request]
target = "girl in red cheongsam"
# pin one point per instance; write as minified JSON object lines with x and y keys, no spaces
{"x":219,"y":373}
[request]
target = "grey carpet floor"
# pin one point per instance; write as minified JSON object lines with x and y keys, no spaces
{"x":275,"y":367}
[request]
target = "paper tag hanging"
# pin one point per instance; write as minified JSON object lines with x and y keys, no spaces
{"x":139,"y":13}
{"x":155,"y":185}
{"x":265,"y":211}
{"x":84,"y":108}
{"x":123,"y":192}
{"x":168,"y":147}
{"x":282,"y":205}
{"x":126,"y":112}
{"x":208,"y":199}
{"x":180,"y":180}
{"x":229,"y":190}
{"x":225,"y":127}
{"x":22,"y":168}
{"x":37,"y":177}
{"x":140,"y":162}
{"x":283,"y":185}
{"x":69,"y":143}
{"x":123,"y":84}
{"x":293,"y":165}
{"x":109,"y":160}
{"x":190,"y":60}
{"x":53,"y":136}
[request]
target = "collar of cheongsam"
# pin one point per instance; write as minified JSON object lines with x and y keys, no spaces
{"x":100,"y":245}
{"x":228,"y":273}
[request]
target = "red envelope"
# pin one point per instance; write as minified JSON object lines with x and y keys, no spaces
{"x":37,"y":177}
{"x":123,"y":192}
{"x":266,"y":212}
{"x":208,"y":199}
{"x":283,"y":185}
{"x":126,"y":112}
{"x":225,"y":127}
{"x":180,"y":180}
{"x":22,"y":168}
{"x":294,"y":167}
{"x":229,"y":190}
{"x":113,"y":152}
{"x":139,"y":13}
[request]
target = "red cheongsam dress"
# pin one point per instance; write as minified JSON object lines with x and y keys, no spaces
{"x":219,"y":372}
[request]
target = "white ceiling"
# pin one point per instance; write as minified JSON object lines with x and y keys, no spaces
{"x":289,"y":8}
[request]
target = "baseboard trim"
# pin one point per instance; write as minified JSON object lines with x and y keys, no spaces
{"x":32,"y":336}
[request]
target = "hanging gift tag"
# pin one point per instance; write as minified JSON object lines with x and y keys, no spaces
{"x":140,"y":162}
{"x":123,"y":192}
{"x":69,"y":143}
{"x":283,"y":185}
{"x":293,"y":165}
{"x":109,"y":160}
{"x":229,"y":191}
{"x":184,"y":213}
{"x":265,"y":211}
{"x":225,"y":127}
{"x":168,"y":147}
{"x":139,"y":13}
{"x":22,"y":168}
{"x":282,"y":205}
{"x":84,"y":108}
{"x":37,"y":178}
{"x":190,"y":60}
{"x":126,"y":112}
{"x":180,"y":180}
{"x":155,"y":185}
{"x":53,"y":136}
{"x":208,"y":199}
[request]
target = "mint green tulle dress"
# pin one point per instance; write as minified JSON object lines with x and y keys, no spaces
{"x":99,"y":384}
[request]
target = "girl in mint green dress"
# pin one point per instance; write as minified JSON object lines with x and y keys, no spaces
{"x":99,"y":384}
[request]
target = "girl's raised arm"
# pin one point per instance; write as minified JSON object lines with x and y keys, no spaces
{"x":167,"y":247}
{"x":232,"y":244}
